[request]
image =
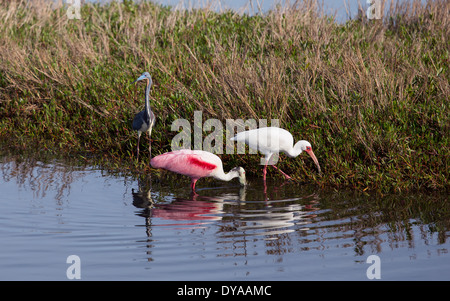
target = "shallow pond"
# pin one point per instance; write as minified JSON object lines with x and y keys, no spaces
{"x":122,"y":227}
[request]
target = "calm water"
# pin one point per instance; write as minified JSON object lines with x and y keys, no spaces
{"x":126,"y":228}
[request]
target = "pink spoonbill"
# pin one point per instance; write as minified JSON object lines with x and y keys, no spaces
{"x":273,"y":140}
{"x":197,"y":164}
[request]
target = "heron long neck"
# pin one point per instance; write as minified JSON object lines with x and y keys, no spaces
{"x":147,"y":99}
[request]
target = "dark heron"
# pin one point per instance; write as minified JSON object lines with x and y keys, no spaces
{"x":145,"y":119}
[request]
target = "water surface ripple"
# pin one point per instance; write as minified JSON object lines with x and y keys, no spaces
{"x":124,"y":227}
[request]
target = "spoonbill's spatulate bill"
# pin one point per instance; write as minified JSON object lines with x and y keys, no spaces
{"x":197,"y":164}
{"x":145,"y":119}
{"x":271,"y":140}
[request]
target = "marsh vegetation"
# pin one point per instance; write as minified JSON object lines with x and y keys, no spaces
{"x":370,"y":95}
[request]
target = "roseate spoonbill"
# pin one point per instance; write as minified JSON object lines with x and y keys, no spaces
{"x":145,"y":119}
{"x":271,"y":140}
{"x":196,"y":164}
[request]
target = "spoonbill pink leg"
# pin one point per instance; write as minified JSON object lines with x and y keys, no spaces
{"x":193,"y":181}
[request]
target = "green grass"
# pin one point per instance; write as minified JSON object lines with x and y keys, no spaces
{"x":370,"y":95}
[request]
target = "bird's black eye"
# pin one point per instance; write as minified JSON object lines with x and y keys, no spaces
{"x":308,"y":148}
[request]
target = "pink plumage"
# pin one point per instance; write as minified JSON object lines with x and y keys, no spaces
{"x":195,"y":164}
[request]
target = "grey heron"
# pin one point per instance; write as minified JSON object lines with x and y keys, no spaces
{"x":145,"y":119}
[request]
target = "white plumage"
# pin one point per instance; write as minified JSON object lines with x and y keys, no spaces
{"x":273,"y":140}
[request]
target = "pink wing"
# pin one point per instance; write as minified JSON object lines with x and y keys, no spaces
{"x":192,"y":163}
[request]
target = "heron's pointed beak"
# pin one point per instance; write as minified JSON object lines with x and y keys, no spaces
{"x":311,"y":153}
{"x":140,"y":78}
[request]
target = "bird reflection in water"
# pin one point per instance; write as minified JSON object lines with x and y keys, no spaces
{"x":190,"y":212}
{"x":185,"y":213}
{"x":247,"y":212}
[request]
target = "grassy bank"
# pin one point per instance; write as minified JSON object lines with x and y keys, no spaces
{"x":371,"y":96}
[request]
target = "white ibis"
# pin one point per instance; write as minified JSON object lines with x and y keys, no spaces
{"x":197,"y":164}
{"x":272,"y":140}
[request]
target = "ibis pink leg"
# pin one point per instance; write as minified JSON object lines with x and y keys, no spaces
{"x":265,"y":166}
{"x":284,"y":174}
{"x":264,"y":172}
